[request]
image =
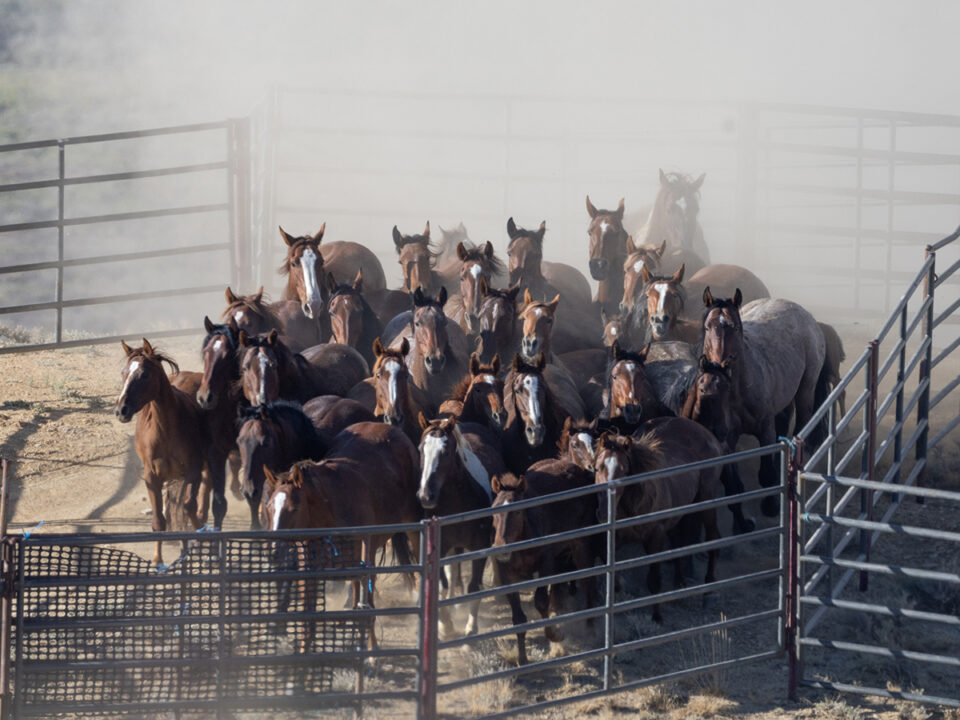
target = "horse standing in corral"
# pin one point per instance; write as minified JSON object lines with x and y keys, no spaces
{"x":500,"y":329}
{"x":543,"y":478}
{"x":724,"y":281}
{"x":479,"y":396}
{"x":639,"y":258}
{"x":457,"y":461}
{"x":534,"y":415}
{"x":476,"y":265}
{"x":673,"y":218}
{"x":352,"y":321}
{"x":776,"y":352}
{"x":331,"y":414}
{"x":342,"y":258}
{"x":305,"y":272}
{"x":608,"y":251}
{"x":449,"y":239}
{"x":665,"y":300}
{"x":631,"y":398}
{"x":256,"y":317}
{"x":418,"y":261}
{"x":368,"y":477}
{"x":171,"y":437}
{"x":543,"y":279}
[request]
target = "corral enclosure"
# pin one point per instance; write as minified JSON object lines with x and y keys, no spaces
{"x":830,"y":206}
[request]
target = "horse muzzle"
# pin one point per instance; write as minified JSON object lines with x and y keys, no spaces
{"x":435,"y":363}
{"x":599,"y":268}
{"x":632,"y":413}
{"x":534,"y":435}
{"x":393,"y":419}
{"x":206,"y":400}
{"x":426,"y":502}
{"x":504,"y":554}
{"x":312,"y":308}
{"x":660,"y":326}
{"x":123,"y":414}
{"x":529,"y":347}
{"x":499,"y":418}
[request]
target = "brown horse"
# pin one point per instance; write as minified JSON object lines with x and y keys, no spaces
{"x":479,"y":396}
{"x":673,"y":217}
{"x":543,"y":478}
{"x":304,"y":269}
{"x":608,"y":251}
{"x":500,"y":329}
{"x":638,"y":259}
{"x":171,"y":437}
{"x":367,"y":478}
{"x":352,"y":321}
{"x":457,"y":461}
{"x":418,"y":261}
{"x":664,"y":442}
{"x":577,"y":443}
{"x":776,"y":352}
{"x":534,"y":415}
{"x":477,"y":265}
{"x":255,"y":316}
{"x":270,"y":371}
{"x":665,"y":300}
{"x":631,"y":397}
{"x":543,"y":279}
{"x":724,"y":281}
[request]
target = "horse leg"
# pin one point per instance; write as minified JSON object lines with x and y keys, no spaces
{"x":545,"y":596}
{"x":517,"y":615}
{"x":158,"y":522}
{"x":770,"y":505}
{"x":446,"y":621}
{"x":233,"y":470}
{"x":216,"y":471}
{"x":712,"y":532}
{"x":366,"y":591}
{"x":733,"y":485}
{"x":476,"y":577}
{"x":655,"y":544}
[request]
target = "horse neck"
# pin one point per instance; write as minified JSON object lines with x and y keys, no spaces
{"x":164,"y":409}
{"x":290,"y":289}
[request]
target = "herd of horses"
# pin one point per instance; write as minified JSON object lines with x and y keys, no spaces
{"x":479,"y":384}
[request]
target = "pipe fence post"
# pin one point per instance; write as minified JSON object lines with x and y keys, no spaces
{"x":430,"y":590}
{"x":61,"y":214}
{"x":792,"y":618}
{"x":868,"y":459}
{"x":923,"y":403}
{"x":611,"y":500}
{"x":7,"y":581}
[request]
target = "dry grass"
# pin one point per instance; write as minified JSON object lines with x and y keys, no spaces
{"x":705,"y":706}
{"x":660,"y":698}
{"x":709,"y":649}
{"x":836,"y":708}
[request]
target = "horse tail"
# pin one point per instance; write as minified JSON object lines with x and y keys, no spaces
{"x":403,"y":556}
{"x":825,"y":382}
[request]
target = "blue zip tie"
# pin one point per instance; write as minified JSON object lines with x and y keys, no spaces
{"x":788,"y":441}
{"x":329,"y":542}
{"x":28,"y":533}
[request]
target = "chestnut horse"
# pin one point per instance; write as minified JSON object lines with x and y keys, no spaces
{"x":457,"y":462}
{"x":304,"y":269}
{"x":777,"y":353}
{"x":352,"y":321}
{"x":662,"y":443}
{"x":608,"y":252}
{"x":631,"y":397}
{"x":479,"y":396}
{"x":418,"y":261}
{"x":543,"y":478}
{"x":534,"y":415}
{"x":528,"y":269}
{"x":171,"y":438}
{"x":724,"y":281}
{"x":477,"y":265}
{"x":331,"y":414}
{"x":255,"y":316}
{"x":367,"y":478}
{"x":638,"y":259}
{"x":665,"y":300}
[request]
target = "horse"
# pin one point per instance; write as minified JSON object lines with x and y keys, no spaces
{"x":777,"y":355}
{"x":270,"y":371}
{"x":577,"y":442}
{"x":534,"y":415}
{"x":476,"y":265}
{"x":544,"y":279}
{"x":331,"y":414}
{"x":543,"y":478}
{"x":418,"y":261}
{"x":724,"y":281}
{"x":662,"y":443}
{"x":457,"y":461}
{"x":390,"y":394}
{"x":342,"y":258}
{"x":479,"y":396}
{"x":255,"y":316}
{"x":498,"y":321}
{"x":665,"y":299}
{"x":608,"y":251}
{"x":674,"y":217}
{"x":352,"y":321}
{"x":273,"y":436}
{"x":368,"y":477}
{"x":304,"y":269}
{"x":638,"y":258}
{"x":171,"y":437}
{"x":631,"y":398}
{"x":449,"y":239}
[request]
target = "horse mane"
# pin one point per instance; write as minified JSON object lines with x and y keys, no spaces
{"x":646,"y":454}
{"x":474,"y":252}
{"x":223,"y":330}
{"x":159,"y":357}
{"x":460,"y":390}
{"x":433,"y":250}
{"x":260,"y":309}
{"x":303,"y":429}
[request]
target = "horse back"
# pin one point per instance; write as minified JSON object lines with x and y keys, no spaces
{"x":684,"y":441}
{"x":330,"y":414}
{"x":343,"y":259}
{"x":333,"y":368}
{"x":547,"y":477}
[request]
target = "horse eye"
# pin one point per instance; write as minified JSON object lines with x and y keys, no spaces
{"x":417,"y":324}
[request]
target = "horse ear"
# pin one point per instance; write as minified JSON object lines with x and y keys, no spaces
{"x":643,"y":353}
{"x":615,"y":351}
{"x":631,"y":248}
{"x":234,"y":328}
{"x":604,"y":318}
{"x":620,"y":207}
{"x":242,"y":338}
{"x":517,"y":363}
{"x":296,"y":476}
{"x":553,"y":303}
{"x":482,"y":285}
{"x":258,"y":296}
{"x":527,"y":297}
{"x":418,"y":296}
{"x":703,"y":363}
{"x":737,"y":297}
{"x":511,"y":228}
{"x":318,"y":238}
{"x":695,"y":186}
{"x":397,"y":239}
{"x":426,"y":230}
{"x":707,"y":297}
{"x":663,"y":178}
{"x":495,"y":485}
{"x":594,"y":424}
{"x":461,"y":252}
{"x":662,"y":249}
{"x":488,"y":249}
{"x":231,"y":298}
{"x":377,"y":346}
{"x":331,"y":282}
{"x":272,"y":337}
{"x":147,"y":347}
{"x":567,"y":424}
{"x":540,"y":362}
{"x":462,"y":228}
{"x":542,"y":229}
{"x":474,"y":364}
{"x":288,"y":239}
{"x":496,"y":364}
{"x":513,"y":292}
{"x":678,"y":275}
{"x":358,"y":281}
{"x":207,"y":325}
{"x":268,"y":477}
{"x":442,"y":296}
{"x":591,"y":210}
{"x":126,"y":348}
{"x":404,"y":347}
{"x":645,"y":275}
{"x":424,"y":423}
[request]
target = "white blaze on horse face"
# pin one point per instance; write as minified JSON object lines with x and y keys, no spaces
{"x":661,"y":290}
{"x":613,"y":331}
{"x":238,"y":316}
{"x":262,"y":357}
{"x":217,"y":345}
{"x":279,"y":500}
{"x":587,"y":443}
{"x":476,"y":270}
{"x":433,"y":448}
{"x":496,"y":312}
{"x":532,"y":384}
{"x":538,"y":312}
{"x":131,"y":371}
{"x":308,"y":264}
{"x":489,"y":379}
{"x":603,"y":227}
{"x":638,"y":266}
{"x":393,"y":369}
{"x":612,"y":465}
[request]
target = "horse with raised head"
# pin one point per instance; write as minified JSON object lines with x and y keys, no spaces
{"x":673,"y":218}
{"x":544,"y":279}
{"x":304,"y":269}
{"x":477,"y":265}
{"x":543,"y":478}
{"x":457,"y":461}
{"x":534,"y":415}
{"x":352,"y":321}
{"x":665,"y":299}
{"x":639,"y":258}
{"x":631,"y":397}
{"x":500,"y":330}
{"x":255,"y":316}
{"x":342,"y":258}
{"x":171,"y":438}
{"x":418,"y":261}
{"x":608,"y":251}
{"x":479,"y":396}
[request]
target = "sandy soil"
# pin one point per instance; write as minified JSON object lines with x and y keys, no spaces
{"x":75,"y":470}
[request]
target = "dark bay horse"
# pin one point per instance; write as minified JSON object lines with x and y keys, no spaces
{"x":331,"y":414}
{"x":500,"y":329}
{"x":435,"y":365}
{"x":543,"y":279}
{"x":479,"y":396}
{"x":665,"y":299}
{"x":476,"y":265}
{"x":171,"y":438}
{"x":255,"y":316}
{"x":776,"y":355}
{"x":608,"y":252}
{"x":664,"y":442}
{"x":457,"y":461}
{"x":543,"y":478}
{"x":631,"y":397}
{"x":418,"y":261}
{"x":534,"y":415}
{"x":352,"y":321}
{"x":367,"y":478}
{"x":639,"y":258}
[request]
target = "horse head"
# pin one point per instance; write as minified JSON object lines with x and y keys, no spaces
{"x":607,"y":240}
{"x":259,"y":371}
{"x":417,"y":256}
{"x":485,"y":394}
{"x":710,"y":400}
{"x":219,"y":355}
{"x":537,"y":325}
{"x":477,"y":265}
{"x":665,"y":299}
{"x":722,"y":327}
{"x":508,"y":527}
{"x":439,"y":447}
{"x":578,"y":442}
{"x":258,"y":441}
{"x":142,"y":377}
{"x":630,"y":391}
{"x":391,"y":378}
{"x":639,"y":258}
{"x":498,"y":319}
{"x":430,"y":329}
{"x":304,"y":266}
{"x":530,"y":399}
{"x":347,"y":309}
{"x":525,"y":252}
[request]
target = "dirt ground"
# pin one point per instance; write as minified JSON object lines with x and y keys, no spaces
{"x":75,"y":470}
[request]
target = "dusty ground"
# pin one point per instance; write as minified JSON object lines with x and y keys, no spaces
{"x":75,"y":470}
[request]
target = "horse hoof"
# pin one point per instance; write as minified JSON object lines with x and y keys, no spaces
{"x":748,"y":525}
{"x":553,"y":635}
{"x":710,"y":601}
{"x":471,"y":628}
{"x":770,"y":506}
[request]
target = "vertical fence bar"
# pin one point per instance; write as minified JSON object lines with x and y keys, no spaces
{"x":792,"y":616}
{"x":608,"y":641}
{"x":858,"y":239}
{"x":7,"y":581}
{"x":221,"y":625}
{"x":831,"y":469}
{"x":19,"y":550}
{"x":62,"y":174}
{"x":430,"y":590}
{"x":925,"y":378}
{"x":901,"y":377}
{"x":868,"y":458}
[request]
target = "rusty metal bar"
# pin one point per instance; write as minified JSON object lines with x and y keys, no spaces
{"x":60,"y":216}
{"x":430,"y":589}
{"x":7,"y":583}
